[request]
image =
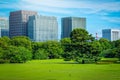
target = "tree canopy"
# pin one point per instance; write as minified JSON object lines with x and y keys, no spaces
{"x":81,"y":47}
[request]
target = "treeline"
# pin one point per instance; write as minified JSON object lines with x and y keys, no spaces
{"x":80,"y":47}
{"x":21,"y":49}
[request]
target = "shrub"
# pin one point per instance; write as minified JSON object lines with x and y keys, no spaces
{"x":17,"y":54}
{"x":3,"y":61}
{"x":41,"y":54}
{"x":109,"y":53}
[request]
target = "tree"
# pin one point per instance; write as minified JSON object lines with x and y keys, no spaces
{"x":22,"y":41}
{"x":118,"y":54}
{"x":109,"y":53}
{"x":116,"y":47}
{"x":69,"y":55}
{"x":116,"y":43}
{"x":80,"y":47}
{"x":41,"y":54}
{"x":96,"y":48}
{"x":53,"y":48}
{"x":17,"y":54}
{"x":4,"y":42}
{"x":35,"y":47}
{"x":1,"y":52}
{"x":80,"y":40}
{"x":79,"y":35}
{"x":105,"y":44}
{"x":65,"y":43}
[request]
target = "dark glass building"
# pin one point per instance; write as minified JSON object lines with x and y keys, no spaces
{"x":70,"y":23}
{"x":18,"y":22}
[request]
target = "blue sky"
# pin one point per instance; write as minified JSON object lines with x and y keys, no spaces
{"x":100,"y":14}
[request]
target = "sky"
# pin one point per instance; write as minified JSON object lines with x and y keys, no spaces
{"x":99,"y":14}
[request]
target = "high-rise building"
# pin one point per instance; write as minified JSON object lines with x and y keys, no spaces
{"x":111,"y":34}
{"x":4,"y":32}
{"x":42,"y":28}
{"x":4,"y":27}
{"x":4,"y":23}
{"x":18,"y":22}
{"x":0,"y":31}
{"x":70,"y":23}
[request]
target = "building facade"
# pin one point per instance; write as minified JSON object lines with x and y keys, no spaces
{"x":18,"y":22}
{"x":70,"y":23}
{"x":4,"y":32}
{"x":4,"y":27}
{"x":42,"y":28}
{"x":0,"y":31}
{"x":111,"y":34}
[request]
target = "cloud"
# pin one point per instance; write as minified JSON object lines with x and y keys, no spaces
{"x":45,"y":9}
{"x":9,"y":5}
{"x":62,"y":6}
{"x":112,"y":19}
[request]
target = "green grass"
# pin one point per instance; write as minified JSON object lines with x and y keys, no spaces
{"x":116,"y":59}
{"x":59,"y":70}
{"x":108,"y":60}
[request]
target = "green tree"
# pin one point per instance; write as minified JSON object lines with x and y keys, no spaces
{"x":35,"y":47}
{"x":118,"y":53}
{"x":65,"y":43}
{"x":22,"y":41}
{"x":41,"y":54}
{"x":105,"y":44}
{"x":1,"y":52}
{"x":17,"y":54}
{"x":79,"y":35}
{"x":116,"y":47}
{"x":69,"y":55}
{"x":4,"y":42}
{"x":53,"y":48}
{"x":96,"y":48}
{"x":81,"y":45}
{"x":109,"y":53}
{"x":116,"y":43}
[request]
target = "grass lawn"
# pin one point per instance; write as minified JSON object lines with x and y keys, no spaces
{"x":59,"y":70}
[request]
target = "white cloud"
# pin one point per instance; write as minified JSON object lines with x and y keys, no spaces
{"x":63,"y":6}
{"x":68,"y":4}
{"x":45,"y":9}
{"x":112,"y":19}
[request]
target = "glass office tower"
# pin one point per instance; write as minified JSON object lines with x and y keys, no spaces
{"x":70,"y":23}
{"x":42,"y":28}
{"x":111,"y":34}
{"x":4,"y":27}
{"x":18,"y":22}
